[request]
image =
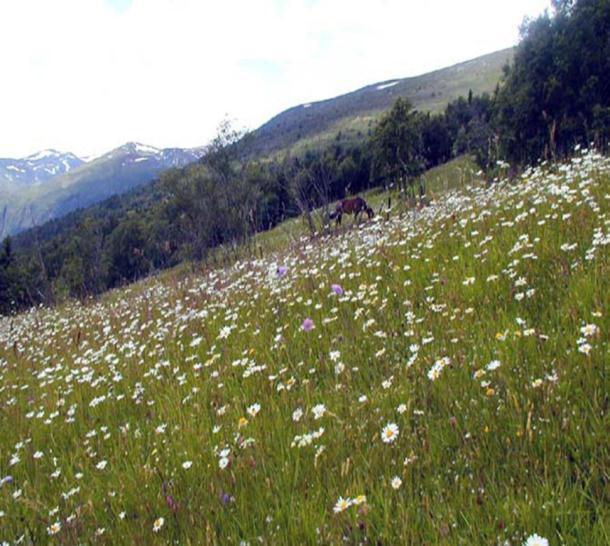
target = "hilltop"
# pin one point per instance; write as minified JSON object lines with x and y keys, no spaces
{"x":349,"y":117}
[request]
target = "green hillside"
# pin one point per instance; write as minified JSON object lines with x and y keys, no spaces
{"x":352,"y":115}
{"x":436,"y":377}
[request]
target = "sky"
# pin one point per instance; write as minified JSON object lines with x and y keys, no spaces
{"x":88,"y":75}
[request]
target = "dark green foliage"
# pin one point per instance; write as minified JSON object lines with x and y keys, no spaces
{"x":8,"y":281}
{"x":125,"y":252}
{"x":470,"y":130}
{"x":398,"y":145}
{"x":557,"y":93}
{"x":437,"y":141}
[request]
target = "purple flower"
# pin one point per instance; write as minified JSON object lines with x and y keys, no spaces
{"x":225,"y":498}
{"x":281,"y":270}
{"x":308,"y":325}
{"x":6,"y":479}
{"x":337,"y":289}
{"x":171,"y":503}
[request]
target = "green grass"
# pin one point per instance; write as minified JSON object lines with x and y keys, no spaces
{"x":164,"y":371}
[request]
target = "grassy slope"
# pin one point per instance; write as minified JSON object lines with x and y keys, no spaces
{"x":456,"y":174}
{"x":118,"y":394}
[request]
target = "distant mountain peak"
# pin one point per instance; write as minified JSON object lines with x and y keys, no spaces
{"x":43,"y":154}
{"x":50,"y":153}
{"x":139,"y":148}
{"x":35,"y":169}
{"x":48,"y":184}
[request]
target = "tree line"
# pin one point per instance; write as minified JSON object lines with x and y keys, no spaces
{"x":554,"y":95}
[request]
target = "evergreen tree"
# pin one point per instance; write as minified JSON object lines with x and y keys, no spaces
{"x":397,"y":145}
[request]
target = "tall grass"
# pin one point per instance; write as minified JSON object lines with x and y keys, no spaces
{"x":477,"y":328}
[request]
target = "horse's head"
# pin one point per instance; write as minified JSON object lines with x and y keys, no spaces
{"x":338,"y":210}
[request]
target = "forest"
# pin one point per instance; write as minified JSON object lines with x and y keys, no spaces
{"x":554,"y":96}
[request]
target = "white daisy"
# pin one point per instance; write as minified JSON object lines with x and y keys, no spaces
{"x":158,"y":524}
{"x":389,"y":433}
{"x":341,"y":505}
{"x":54,"y":528}
{"x":318,"y":411}
{"x":589,"y":330}
{"x":536,"y":540}
{"x":493,"y":365}
{"x":254,"y":409}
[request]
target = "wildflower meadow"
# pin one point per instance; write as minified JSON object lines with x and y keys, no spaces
{"x":433,"y":376}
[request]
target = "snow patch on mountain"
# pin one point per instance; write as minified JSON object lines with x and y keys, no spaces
{"x":43,"y":154}
{"x":144,"y":149}
{"x":35,"y":169}
{"x":386,"y":85}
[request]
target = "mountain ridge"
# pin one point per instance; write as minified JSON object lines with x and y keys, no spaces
{"x":37,"y":168}
{"x":117,"y":171}
{"x":347,"y":114}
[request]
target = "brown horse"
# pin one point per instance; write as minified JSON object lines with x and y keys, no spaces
{"x":354,"y":205}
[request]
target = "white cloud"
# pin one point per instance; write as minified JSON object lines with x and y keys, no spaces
{"x":84,"y":76}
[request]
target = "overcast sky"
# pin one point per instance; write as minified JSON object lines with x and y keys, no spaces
{"x":88,"y":75}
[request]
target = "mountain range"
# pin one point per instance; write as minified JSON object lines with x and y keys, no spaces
{"x":35,"y":169}
{"x":50,"y":184}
